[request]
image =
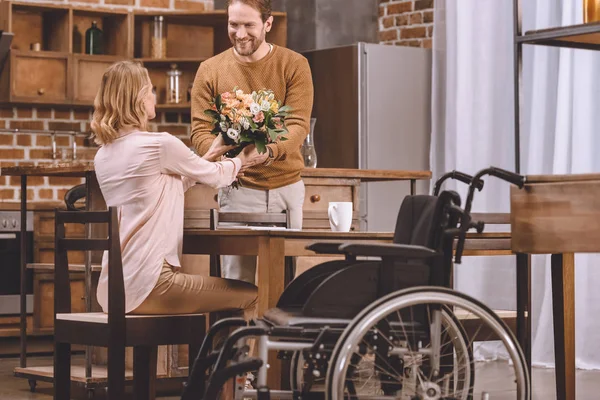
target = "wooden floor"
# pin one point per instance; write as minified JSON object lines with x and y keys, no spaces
{"x":18,"y":388}
{"x":11,"y":388}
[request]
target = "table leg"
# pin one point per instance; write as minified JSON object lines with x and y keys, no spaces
{"x":524,"y":305}
{"x":413,"y":187}
{"x":23,"y":288}
{"x":563,"y":307}
{"x":271,"y":263}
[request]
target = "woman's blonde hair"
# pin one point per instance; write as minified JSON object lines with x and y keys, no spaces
{"x":120,"y":101}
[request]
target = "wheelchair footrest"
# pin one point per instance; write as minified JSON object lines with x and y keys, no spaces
{"x":218,"y":378}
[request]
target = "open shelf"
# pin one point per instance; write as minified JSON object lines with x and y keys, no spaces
{"x":72,"y":267}
{"x":114,"y":26}
{"x":45,"y":24}
{"x":583,"y":36}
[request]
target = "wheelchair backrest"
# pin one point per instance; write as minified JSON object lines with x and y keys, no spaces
{"x":347,"y":289}
{"x":421,"y":220}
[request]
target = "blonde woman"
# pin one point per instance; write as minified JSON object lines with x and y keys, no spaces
{"x":145,"y":175}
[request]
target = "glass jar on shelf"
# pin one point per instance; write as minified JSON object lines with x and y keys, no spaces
{"x":174,"y":92}
{"x":158,"y":42}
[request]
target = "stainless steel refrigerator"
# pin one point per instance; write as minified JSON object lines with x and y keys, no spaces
{"x":373,"y":109}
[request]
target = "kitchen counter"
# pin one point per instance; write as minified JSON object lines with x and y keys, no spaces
{"x":79,"y":169}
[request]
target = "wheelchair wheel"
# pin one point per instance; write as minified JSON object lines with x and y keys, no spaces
{"x":418,"y":344}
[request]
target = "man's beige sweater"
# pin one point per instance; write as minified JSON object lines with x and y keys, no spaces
{"x":288,"y":75}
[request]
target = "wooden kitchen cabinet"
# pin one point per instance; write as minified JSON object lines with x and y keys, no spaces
{"x":60,"y":74}
{"x":38,"y":77}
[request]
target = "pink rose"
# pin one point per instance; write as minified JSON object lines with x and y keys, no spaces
{"x":258,"y":118}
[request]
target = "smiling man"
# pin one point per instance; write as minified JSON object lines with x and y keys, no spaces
{"x":273,"y":182}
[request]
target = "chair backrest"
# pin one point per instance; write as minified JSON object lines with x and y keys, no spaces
{"x":244,"y":218}
{"x":249,"y":218}
{"x":63,"y":244}
{"x":75,"y":194}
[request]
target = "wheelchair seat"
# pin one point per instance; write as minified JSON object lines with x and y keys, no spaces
{"x":293,"y":317}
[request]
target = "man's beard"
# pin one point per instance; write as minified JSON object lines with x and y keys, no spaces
{"x":251,"y":46}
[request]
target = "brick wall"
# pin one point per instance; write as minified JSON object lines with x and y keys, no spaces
{"x":406,"y":22}
{"x":24,"y":148}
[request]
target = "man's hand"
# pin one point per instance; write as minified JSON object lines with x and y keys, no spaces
{"x":217,"y":149}
{"x":251,"y":157}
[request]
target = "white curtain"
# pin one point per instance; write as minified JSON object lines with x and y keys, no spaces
{"x":473,"y":127}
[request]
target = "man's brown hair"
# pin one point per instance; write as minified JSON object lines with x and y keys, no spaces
{"x":262,"y":6}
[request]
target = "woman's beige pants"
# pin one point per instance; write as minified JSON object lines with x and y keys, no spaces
{"x":179,"y":293}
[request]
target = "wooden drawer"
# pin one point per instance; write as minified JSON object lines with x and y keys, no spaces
{"x":88,"y":71}
{"x":39,"y":77}
{"x":317,"y":197}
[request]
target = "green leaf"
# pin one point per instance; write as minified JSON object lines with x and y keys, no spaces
{"x":212,"y":113}
{"x":285,"y":109}
{"x":283,"y":139}
{"x":272,"y":134}
{"x":260,"y":146}
{"x":218,"y":101}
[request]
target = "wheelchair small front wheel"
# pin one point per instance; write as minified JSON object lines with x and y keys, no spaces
{"x":418,"y":343}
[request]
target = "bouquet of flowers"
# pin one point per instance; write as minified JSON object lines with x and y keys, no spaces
{"x":243,"y":119}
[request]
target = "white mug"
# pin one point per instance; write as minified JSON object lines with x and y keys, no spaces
{"x":340,"y":216}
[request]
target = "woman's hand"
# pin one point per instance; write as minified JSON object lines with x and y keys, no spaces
{"x":217,"y":149}
{"x":251,"y":157}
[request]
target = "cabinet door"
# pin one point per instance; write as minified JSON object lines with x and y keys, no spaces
{"x":88,"y":71}
{"x":39,"y":78}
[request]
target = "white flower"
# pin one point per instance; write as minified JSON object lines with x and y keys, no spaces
{"x":254,"y":108}
{"x":271,"y":97}
{"x":245,"y":123}
{"x":233,"y":134}
{"x":265,"y":105}
{"x":224,"y":126}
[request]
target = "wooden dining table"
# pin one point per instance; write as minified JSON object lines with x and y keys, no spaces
{"x":558,"y":215}
{"x":271,"y":247}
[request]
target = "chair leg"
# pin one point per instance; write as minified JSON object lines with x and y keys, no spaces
{"x":116,"y":372}
{"x":290,"y":269}
{"x":62,"y":371}
{"x":144,"y":372}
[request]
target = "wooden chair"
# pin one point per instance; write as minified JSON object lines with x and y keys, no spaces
{"x":114,"y":330}
{"x":250,"y":219}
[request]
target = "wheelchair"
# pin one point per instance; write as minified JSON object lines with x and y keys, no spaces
{"x":381,"y":324}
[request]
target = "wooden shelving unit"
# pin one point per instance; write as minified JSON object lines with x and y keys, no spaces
{"x":581,"y":36}
{"x":61,"y":75}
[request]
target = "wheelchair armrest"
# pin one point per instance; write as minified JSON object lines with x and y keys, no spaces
{"x":388,"y":250}
{"x":326,"y":247}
